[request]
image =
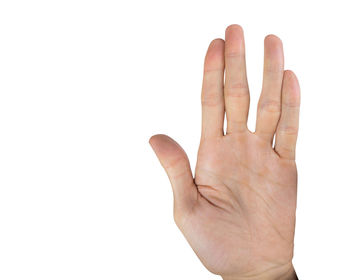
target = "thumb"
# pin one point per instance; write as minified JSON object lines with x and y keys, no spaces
{"x":176,"y":164}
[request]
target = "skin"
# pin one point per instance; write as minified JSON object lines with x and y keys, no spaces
{"x":238,"y":213}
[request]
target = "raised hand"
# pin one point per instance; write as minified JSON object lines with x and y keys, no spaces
{"x":238,"y":213}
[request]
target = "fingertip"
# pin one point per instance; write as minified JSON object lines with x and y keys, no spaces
{"x":272,"y":39}
{"x":158,"y":138}
{"x":215,"y":49}
{"x":165,"y":145}
{"x":152,"y":139}
{"x":214,"y":59}
{"x":234,"y":38}
{"x":290,"y":76}
{"x":234,"y":27}
{"x":216,"y":42}
{"x":157,"y":141}
{"x":291,"y":87}
{"x":273,"y":47}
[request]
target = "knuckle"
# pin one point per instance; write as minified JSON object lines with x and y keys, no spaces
{"x":271,"y":106}
{"x":273,"y":69}
{"x":288,"y":130}
{"x":233,"y":54}
{"x":236,"y":90}
{"x":284,"y":151}
{"x":292,"y":104}
{"x":175,"y":164}
{"x":215,"y":70}
{"x":210,"y":98}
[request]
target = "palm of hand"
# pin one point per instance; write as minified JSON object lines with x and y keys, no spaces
{"x":238,"y":213}
{"x":246,"y":206}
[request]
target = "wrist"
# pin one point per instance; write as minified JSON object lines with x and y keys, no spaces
{"x":286,"y":272}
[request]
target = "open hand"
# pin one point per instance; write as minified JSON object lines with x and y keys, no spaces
{"x":238,"y":213}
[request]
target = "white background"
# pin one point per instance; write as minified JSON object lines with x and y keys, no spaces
{"x":84,"y":84}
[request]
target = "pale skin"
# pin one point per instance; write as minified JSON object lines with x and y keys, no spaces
{"x":238,"y":212}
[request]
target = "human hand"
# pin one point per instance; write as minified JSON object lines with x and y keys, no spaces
{"x":238,"y":214}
